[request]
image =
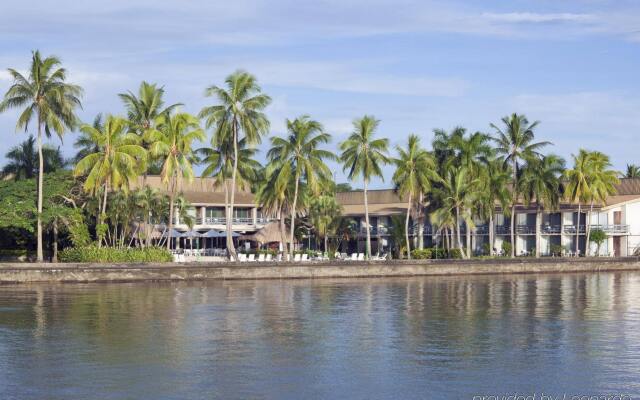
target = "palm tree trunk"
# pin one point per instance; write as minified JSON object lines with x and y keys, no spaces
{"x":103,"y":211}
{"x":54,"y":256}
{"x":458,"y":237}
{"x":326,"y":244}
{"x":230,"y":247}
{"x":366,"y":219}
{"x":39,"y":252}
{"x":171,"y":212}
{"x":587,"y":251}
{"x":514,"y":200}
{"x":468,"y":236}
{"x":420,"y":222}
{"x":491,"y":234}
{"x":293,"y":217}
{"x":513,"y":225}
{"x":578,"y":229}
{"x":406,"y":228}
{"x":538,"y":224}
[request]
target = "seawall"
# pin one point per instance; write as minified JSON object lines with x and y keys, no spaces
{"x":46,"y":272}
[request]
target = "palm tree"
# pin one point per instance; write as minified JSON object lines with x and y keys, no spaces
{"x":240,"y":111}
{"x":578,"y":189}
{"x":148,"y":200}
{"x":324,"y":213}
{"x":23,"y":160}
{"x":494,"y":184}
{"x":218,"y":163}
{"x":633,"y":171}
{"x":85,"y":144}
{"x":144,"y":109}
{"x":114,"y":165}
{"x":457,"y":193}
{"x":541,"y":182}
{"x":415,"y":168}
{"x":364,"y":156}
{"x":172,"y":141}
{"x":301,"y":159}
{"x":602,"y":182}
{"x":48,"y":99}
{"x":515,"y":144}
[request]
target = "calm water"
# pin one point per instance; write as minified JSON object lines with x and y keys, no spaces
{"x":431,"y":338}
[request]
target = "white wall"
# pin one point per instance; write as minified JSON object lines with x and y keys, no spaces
{"x":631,"y":217}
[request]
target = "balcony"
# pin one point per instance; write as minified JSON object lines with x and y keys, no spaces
{"x":550,"y":229}
{"x":526,"y":229}
{"x":612,"y":229}
{"x":235,"y":221}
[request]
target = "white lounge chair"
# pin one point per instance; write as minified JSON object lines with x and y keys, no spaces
{"x":354,"y":257}
{"x":305,"y":257}
{"x":242,"y":257}
{"x":261,"y":257}
{"x":360,"y":256}
{"x":296,"y":257}
{"x":251,"y":258}
{"x":268,"y":257}
{"x":279,"y":257}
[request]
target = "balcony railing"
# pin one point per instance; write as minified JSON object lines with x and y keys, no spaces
{"x":223,"y":221}
{"x":550,"y":229}
{"x":617,"y":228}
{"x":526,"y":229}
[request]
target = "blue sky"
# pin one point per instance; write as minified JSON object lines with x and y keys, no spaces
{"x":415,"y":65}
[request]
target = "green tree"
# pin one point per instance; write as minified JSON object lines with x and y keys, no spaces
{"x":494,"y":190}
{"x":46,"y":97}
{"x":172,"y":142}
{"x":633,"y":171}
{"x":514,"y":142}
{"x":415,"y":168}
{"x":23,"y":160}
{"x":540,"y":181}
{"x":578,"y":189}
{"x":598,"y":236}
{"x":325,"y":213}
{"x":364,"y":157}
{"x":144,"y":109}
{"x":602,"y":182}
{"x":302,"y":159}
{"x":114,"y":165}
{"x":239,"y":112}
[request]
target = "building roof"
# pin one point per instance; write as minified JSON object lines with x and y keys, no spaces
{"x":200,"y":191}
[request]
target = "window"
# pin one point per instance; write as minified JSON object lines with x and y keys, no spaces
{"x":242,"y":213}
{"x":214,"y":212}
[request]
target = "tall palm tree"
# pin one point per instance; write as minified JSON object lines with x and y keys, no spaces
{"x":602,"y":182}
{"x":514,"y":142}
{"x":364,"y":157}
{"x":144,"y":109}
{"x":415,"y":168}
{"x":301,"y":159}
{"x":115,"y":163}
{"x":23,"y":160}
{"x":578,"y":188}
{"x":458,"y":192}
{"x":172,"y":141}
{"x":239,"y":112}
{"x":48,"y":99}
{"x":494,"y":184}
{"x":541,"y":181}
{"x":218,"y":163}
{"x":633,"y":171}
{"x":84,"y":143}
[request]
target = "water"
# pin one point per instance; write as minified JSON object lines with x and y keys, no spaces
{"x":417,"y":338}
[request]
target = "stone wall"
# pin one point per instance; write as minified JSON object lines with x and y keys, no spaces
{"x":45,"y":272}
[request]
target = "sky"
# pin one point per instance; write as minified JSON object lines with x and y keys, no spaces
{"x":415,"y":65}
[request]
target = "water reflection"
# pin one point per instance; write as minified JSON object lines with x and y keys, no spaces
{"x":378,"y":338}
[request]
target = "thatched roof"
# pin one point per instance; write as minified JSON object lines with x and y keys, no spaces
{"x":269,"y":233}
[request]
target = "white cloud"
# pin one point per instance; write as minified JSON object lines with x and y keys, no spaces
{"x":531,"y":17}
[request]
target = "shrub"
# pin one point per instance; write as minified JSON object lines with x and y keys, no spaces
{"x":438,"y":253}
{"x":506,"y":248}
{"x":423,"y":254}
{"x":111,"y":254}
{"x":486,"y":249}
{"x":455,"y":253}
{"x":556,"y":250}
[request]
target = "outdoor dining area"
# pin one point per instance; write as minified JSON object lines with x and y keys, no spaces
{"x":197,"y":246}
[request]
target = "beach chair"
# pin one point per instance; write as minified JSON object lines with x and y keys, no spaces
{"x":305,"y":257}
{"x":360,"y":256}
{"x":279,"y":257}
{"x":354,"y":257}
{"x":251,"y":258}
{"x":261,"y":257}
{"x":242,"y":257}
{"x":296,"y":257}
{"x":268,"y":257}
